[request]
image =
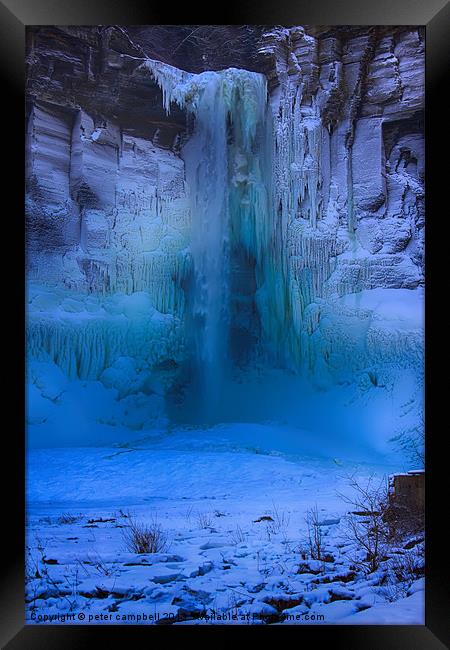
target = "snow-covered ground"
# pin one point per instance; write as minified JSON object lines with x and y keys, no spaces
{"x":233,"y":519}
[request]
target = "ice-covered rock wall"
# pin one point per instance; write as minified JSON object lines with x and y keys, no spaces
{"x":106,"y":205}
{"x":345,"y":305}
{"x":108,"y":225}
{"x":348,"y":193}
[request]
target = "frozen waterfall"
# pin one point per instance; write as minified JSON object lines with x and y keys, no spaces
{"x":228,"y":193}
{"x":222,"y":284}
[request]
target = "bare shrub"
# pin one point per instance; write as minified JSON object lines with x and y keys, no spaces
{"x":96,"y":561}
{"x":393,"y":590}
{"x":409,"y":566}
{"x":403,"y":570}
{"x":366,"y":525}
{"x":140,"y":537}
{"x":67,"y":518}
{"x":277,"y":523}
{"x":204,"y":519}
{"x":315,"y":540}
{"x":38,"y":574}
{"x":412,"y":442}
{"x":237,"y":535}
{"x":33,"y":562}
{"x":280,"y":520}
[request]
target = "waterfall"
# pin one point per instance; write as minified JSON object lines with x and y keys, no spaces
{"x":225,"y":172}
{"x":207,"y":177}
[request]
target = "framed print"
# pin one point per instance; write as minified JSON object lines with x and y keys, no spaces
{"x":224,"y":323}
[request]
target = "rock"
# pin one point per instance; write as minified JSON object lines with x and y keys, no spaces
{"x":369,"y":191}
{"x":283,"y":601}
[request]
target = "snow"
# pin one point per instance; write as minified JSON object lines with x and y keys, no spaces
{"x":66,"y":412}
{"x":235,"y":525}
{"x":410,"y":610}
{"x":401,"y":308}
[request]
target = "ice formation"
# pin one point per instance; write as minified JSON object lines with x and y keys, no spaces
{"x":225,"y":167}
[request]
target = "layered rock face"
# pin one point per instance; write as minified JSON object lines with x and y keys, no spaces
{"x":104,"y":182}
{"x":107,"y":208}
{"x":349,"y":173}
{"x":335,"y":271}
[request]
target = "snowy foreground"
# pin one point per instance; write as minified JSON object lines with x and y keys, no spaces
{"x":233,"y":521}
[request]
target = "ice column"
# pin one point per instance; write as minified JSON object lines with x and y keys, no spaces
{"x":207,"y":177}
{"x":224,"y":174}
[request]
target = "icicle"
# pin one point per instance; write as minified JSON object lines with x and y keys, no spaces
{"x":172,"y":82}
{"x":83,"y":349}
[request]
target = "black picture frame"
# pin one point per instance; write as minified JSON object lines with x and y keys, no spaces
{"x":15,"y":15}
